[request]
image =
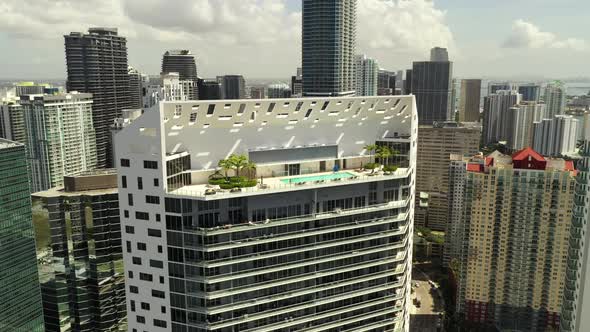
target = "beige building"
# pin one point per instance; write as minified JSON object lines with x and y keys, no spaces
{"x":435,"y":145}
{"x":511,"y":240}
{"x":469,"y":100}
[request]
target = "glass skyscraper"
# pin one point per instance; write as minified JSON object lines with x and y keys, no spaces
{"x":329,"y":38}
{"x":20,"y":297}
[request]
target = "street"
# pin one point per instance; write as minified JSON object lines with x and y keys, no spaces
{"x":425,"y":317}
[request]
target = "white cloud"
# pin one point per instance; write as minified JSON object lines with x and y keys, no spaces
{"x":255,"y":37}
{"x":527,"y":35}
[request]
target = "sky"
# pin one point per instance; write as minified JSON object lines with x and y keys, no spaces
{"x":262,"y":38}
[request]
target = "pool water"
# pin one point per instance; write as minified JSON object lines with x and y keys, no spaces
{"x":325,"y":177}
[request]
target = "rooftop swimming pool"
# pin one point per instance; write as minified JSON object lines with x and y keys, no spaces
{"x":322,"y":177}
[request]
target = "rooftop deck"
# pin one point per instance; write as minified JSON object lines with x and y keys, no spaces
{"x":280,"y":184}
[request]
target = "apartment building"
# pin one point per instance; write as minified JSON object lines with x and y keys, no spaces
{"x":308,"y":241}
{"x":511,"y":236}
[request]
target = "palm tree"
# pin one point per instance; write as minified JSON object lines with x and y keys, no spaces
{"x":225,"y":165}
{"x":371,"y":148}
{"x":238,"y":162}
{"x":251,"y":168}
{"x":383,"y":152}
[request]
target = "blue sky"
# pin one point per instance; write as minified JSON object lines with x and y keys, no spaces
{"x":261,"y":38}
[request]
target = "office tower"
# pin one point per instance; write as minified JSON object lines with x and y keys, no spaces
{"x":520,"y":119}
{"x":20,"y":303}
{"x":329,"y":43}
{"x":399,"y":80}
{"x":555,"y":96}
{"x":494,"y":87}
{"x":78,"y":234}
{"x":575,"y":315}
{"x":366,"y":75}
{"x":97,"y":64}
{"x":556,"y":136}
{"x":386,"y":82}
{"x":530,"y":92}
{"x":297,"y":83}
{"x":210,"y":90}
{"x":60,"y":137}
{"x":257,"y":92}
{"x":469,"y":100}
{"x":513,"y":240}
{"x":439,"y":54}
{"x":408,"y":82}
{"x":495,"y":115}
{"x":432,"y":84}
{"x":233,"y":86}
{"x":435,"y":145}
{"x":29,"y":88}
{"x":279,"y":90}
{"x":135,"y":88}
{"x":12,"y":121}
{"x":330,"y":249}
{"x":183,"y":63}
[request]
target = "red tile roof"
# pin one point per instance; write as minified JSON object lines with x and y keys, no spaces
{"x":474,"y":167}
{"x":525,"y":153}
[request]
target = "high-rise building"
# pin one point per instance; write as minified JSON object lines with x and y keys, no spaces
{"x":29,"y":88}
{"x":469,"y":100}
{"x":512,"y":232}
{"x":182,"y":62}
{"x":432,"y":84}
{"x":233,"y":86}
{"x":554,"y":98}
{"x":297,"y":83}
{"x":97,"y":64}
{"x":329,"y":44}
{"x":210,"y":90}
{"x":556,"y":136}
{"x":78,"y":235}
{"x":496,"y":110}
{"x":530,"y":92}
{"x":20,"y":303}
{"x":60,"y":137}
{"x":386,"y":82}
{"x":366,"y":75}
{"x":408,"y":82}
{"x":12,"y":121}
{"x":575,"y":311}
{"x":435,"y":145}
{"x":520,"y":122}
{"x":257,"y":92}
{"x":439,"y":54}
{"x":279,"y":90}
{"x":494,"y":87}
{"x":309,"y":238}
{"x":136,"y":85}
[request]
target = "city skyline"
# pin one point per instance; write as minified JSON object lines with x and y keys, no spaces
{"x":509,"y":39}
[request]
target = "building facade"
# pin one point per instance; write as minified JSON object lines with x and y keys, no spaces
{"x":435,"y":146}
{"x":60,"y":137}
{"x":512,"y":239}
{"x":432,"y":84}
{"x":233,"y":86}
{"x":439,"y":54}
{"x":12,"y":121}
{"x":366,"y":76}
{"x":210,"y":90}
{"x":97,"y":64}
{"x":317,"y":243}
{"x":496,"y":109}
{"x":279,"y":90}
{"x":530,"y":92}
{"x":78,"y":234}
{"x":470,"y":100}
{"x":257,"y":92}
{"x":520,"y":119}
{"x":556,"y":136}
{"x":136,"y":85}
{"x":182,"y":62}
{"x":386,"y":82}
{"x":328,"y":47}
{"x":555,"y":98}
{"x":20,"y":303}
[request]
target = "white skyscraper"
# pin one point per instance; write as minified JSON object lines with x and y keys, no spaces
{"x":555,"y":95}
{"x":521,"y":118}
{"x":302,"y":239}
{"x":366,"y":76}
{"x":556,"y":136}
{"x":497,"y":106}
{"x":60,"y":137}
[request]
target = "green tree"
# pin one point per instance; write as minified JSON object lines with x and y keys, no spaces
{"x":251,"y":168}
{"x":371,"y":148}
{"x":226,"y":165}
{"x":238,"y":162}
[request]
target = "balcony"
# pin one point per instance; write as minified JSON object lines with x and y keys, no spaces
{"x":279,"y":184}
